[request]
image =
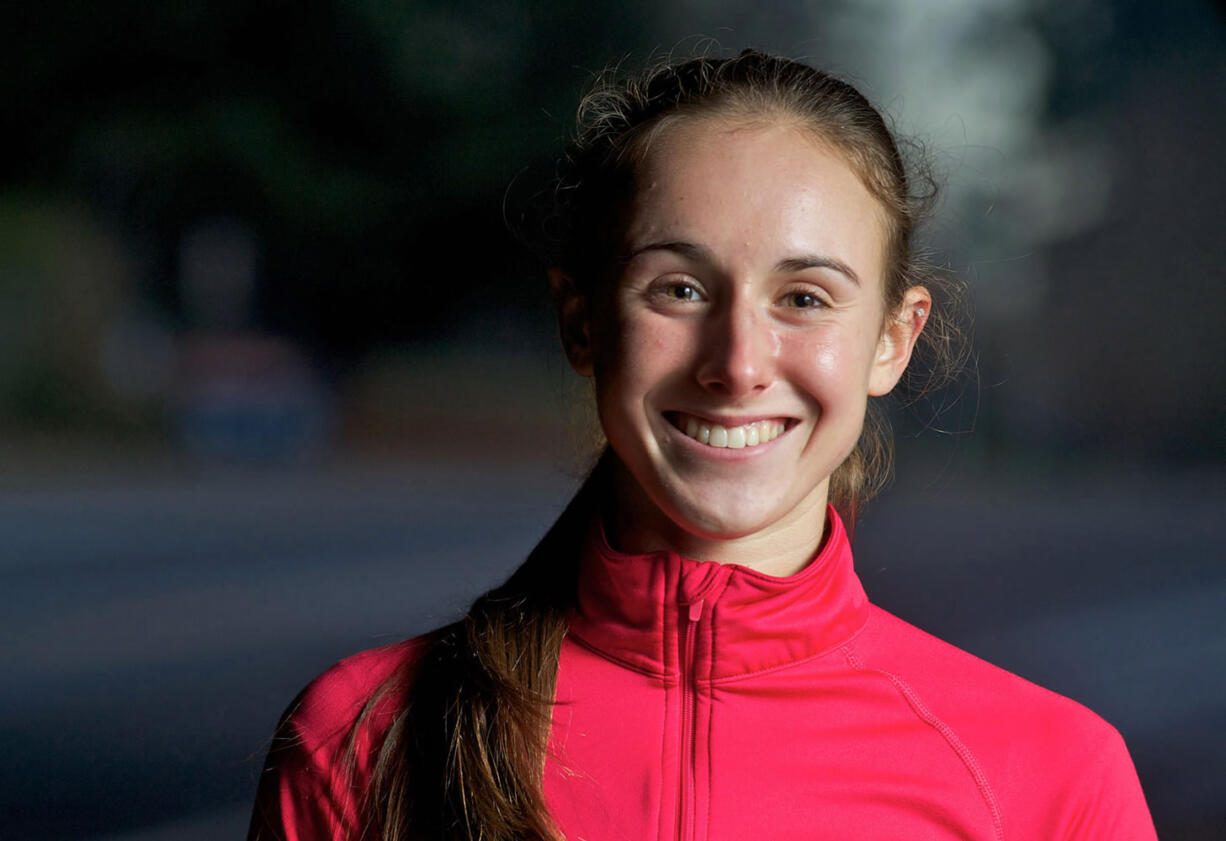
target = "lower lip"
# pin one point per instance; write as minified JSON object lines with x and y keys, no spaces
{"x":726,"y":453}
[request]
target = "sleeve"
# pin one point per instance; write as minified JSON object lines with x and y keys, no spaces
{"x":1105,"y":802}
{"x":306,"y":790}
{"x":321,"y":759}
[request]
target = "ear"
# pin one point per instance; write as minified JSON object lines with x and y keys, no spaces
{"x":574,"y":322}
{"x":898,"y":336}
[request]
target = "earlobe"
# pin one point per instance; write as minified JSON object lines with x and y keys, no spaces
{"x":574,"y":324}
{"x":898,"y":338}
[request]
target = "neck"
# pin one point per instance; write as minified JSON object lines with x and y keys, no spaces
{"x":634,"y":524}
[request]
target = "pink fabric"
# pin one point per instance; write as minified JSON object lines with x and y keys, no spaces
{"x":701,"y":701}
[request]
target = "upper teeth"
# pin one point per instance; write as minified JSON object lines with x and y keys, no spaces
{"x":736,"y":437}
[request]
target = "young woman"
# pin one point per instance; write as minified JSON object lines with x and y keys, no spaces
{"x":688,"y":652}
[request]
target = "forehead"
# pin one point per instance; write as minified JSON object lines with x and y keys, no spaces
{"x":754,"y":190}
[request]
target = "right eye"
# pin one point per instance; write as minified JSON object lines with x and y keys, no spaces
{"x":677,"y":289}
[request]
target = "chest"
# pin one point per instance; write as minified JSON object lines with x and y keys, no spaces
{"x":818,"y":750}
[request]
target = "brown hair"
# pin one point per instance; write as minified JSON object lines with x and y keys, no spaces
{"x":465,"y":757}
{"x":618,"y":120}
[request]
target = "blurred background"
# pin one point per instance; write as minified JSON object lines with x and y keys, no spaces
{"x":279,"y":382}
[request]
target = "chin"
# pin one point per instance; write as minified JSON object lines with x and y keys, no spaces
{"x":725,"y":519}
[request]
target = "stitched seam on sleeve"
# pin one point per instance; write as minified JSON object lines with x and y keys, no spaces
{"x":951,"y":738}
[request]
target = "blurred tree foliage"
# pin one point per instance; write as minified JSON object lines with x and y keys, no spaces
{"x":368,"y":143}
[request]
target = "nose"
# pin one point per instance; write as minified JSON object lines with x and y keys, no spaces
{"x":737,"y":357}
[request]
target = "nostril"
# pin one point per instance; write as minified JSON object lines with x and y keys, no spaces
{"x":736,"y":367}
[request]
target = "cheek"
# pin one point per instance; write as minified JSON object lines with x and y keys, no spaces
{"x":645,"y":363}
{"x":828,"y":362}
{"x":647,"y":352}
{"x":826,"y":359}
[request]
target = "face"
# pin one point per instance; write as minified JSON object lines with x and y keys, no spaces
{"x":735,"y":351}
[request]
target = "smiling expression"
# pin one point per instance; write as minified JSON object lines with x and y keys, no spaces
{"x":735,"y":351}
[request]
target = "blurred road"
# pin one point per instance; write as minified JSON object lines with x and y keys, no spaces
{"x":152,"y":629}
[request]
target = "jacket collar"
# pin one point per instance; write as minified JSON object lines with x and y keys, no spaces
{"x":660,"y":613}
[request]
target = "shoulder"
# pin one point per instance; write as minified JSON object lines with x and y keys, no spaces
{"x":326,"y":743}
{"x":997,"y":713}
{"x":333,"y":702}
{"x":958,"y":681}
{"x":1047,"y":760}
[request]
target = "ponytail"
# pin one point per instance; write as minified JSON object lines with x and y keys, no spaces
{"x":465,"y":758}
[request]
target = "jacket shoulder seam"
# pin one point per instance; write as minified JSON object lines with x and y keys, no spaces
{"x":963,"y":753}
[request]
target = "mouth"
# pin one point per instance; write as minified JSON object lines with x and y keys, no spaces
{"x":733,"y":437}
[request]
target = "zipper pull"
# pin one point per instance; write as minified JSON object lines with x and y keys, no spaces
{"x":695,"y":611}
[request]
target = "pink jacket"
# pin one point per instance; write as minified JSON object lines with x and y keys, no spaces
{"x":707,"y":701}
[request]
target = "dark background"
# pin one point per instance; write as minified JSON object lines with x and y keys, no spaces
{"x":278,"y":379}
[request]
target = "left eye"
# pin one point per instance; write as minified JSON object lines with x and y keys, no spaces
{"x":802,"y":300}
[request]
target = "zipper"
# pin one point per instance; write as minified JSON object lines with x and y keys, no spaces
{"x":689,"y":723}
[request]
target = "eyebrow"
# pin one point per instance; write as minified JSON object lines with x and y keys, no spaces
{"x":685,"y":249}
{"x":699,"y":253}
{"x":817,"y":261}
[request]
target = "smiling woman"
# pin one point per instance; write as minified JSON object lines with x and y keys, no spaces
{"x":688,"y":652}
{"x":751,"y":301}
